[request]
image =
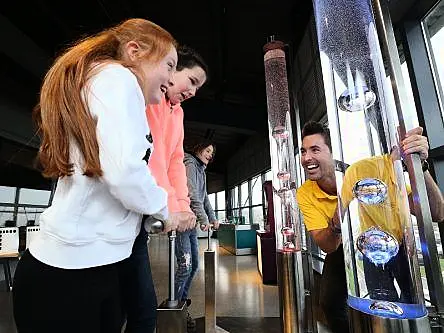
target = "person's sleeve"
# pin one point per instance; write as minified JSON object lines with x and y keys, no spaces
{"x":115,"y":99}
{"x":209,"y":209}
{"x":197,"y":205}
{"x":348,"y":181}
{"x":178,"y":199}
{"x":313,"y":218}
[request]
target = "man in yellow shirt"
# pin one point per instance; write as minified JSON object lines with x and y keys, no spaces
{"x":317,"y":199}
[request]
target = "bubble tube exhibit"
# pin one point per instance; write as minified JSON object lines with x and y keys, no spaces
{"x":287,"y":224}
{"x":385,"y":292}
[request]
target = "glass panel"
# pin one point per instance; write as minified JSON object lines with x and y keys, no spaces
{"x":34,"y":197}
{"x":268,"y":175}
{"x":6,"y":215}
{"x":22,"y":219}
{"x":256,"y":188}
{"x":7,"y":194}
{"x":258,"y":216}
{"x":244,"y":195}
{"x":434,"y":23}
{"x":221,"y":217}
{"x":212,"y":198}
{"x":221,"y":200}
{"x":235,"y":197}
{"x":245,"y":216}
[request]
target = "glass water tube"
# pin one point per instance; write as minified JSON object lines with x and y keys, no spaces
{"x":287,"y":223}
{"x":379,"y":245}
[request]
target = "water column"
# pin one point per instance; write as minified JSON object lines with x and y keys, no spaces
{"x":384,"y":285}
{"x":287,"y":224}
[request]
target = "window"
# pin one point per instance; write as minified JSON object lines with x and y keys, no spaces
{"x":221,"y":216}
{"x":235,"y":197}
{"x":258,"y":215}
{"x":256,"y":188}
{"x":268,"y":175}
{"x":212,"y":198}
{"x":34,"y":197}
{"x":6,"y":214}
{"x":246,"y":215}
{"x":434,"y":28}
{"x":221,"y":200}
{"x":7,"y":194}
{"x":245,"y":195}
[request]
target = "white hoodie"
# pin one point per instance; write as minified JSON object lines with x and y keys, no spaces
{"x":94,"y":221}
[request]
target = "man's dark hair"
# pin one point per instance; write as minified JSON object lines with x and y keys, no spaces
{"x":314,"y":127}
{"x":202,"y":146}
{"x":189,"y":58}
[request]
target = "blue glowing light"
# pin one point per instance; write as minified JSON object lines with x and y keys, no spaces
{"x":370,"y":191}
{"x":387,"y":309}
{"x":377,"y":245}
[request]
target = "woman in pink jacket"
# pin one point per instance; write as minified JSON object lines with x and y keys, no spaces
{"x":166,"y":165}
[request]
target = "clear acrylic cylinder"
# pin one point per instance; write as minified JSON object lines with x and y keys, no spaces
{"x":287,"y":224}
{"x":286,"y":215}
{"x":379,"y":245}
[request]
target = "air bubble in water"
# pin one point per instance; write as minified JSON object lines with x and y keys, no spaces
{"x":387,"y":307}
{"x":377,"y":245}
{"x":280,"y":132}
{"x":353,"y":101}
{"x":283,"y":175}
{"x":289,"y":246}
{"x":287,"y":231}
{"x":370,"y":191}
{"x":285,"y":194}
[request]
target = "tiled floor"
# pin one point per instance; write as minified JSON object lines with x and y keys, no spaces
{"x":244,"y":304}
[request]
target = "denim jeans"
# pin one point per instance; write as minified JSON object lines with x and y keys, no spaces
{"x":333,"y":292}
{"x":137,"y":291}
{"x":187,"y":256}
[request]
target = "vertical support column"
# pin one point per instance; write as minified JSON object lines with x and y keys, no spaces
{"x":250,"y":202}
{"x":16,"y":202}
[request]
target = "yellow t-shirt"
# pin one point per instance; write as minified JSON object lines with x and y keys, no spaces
{"x":317,"y":206}
{"x":389,"y":215}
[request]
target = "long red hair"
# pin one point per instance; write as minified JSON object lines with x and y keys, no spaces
{"x":62,"y":115}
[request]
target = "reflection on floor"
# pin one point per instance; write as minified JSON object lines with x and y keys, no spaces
{"x":239,"y":289}
{"x":244,"y":304}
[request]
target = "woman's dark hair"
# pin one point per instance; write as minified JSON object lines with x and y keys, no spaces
{"x":189,"y":58}
{"x":202,"y":146}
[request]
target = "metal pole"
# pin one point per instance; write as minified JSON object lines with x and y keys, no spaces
{"x":172,"y":301}
{"x":421,"y":202}
{"x":210,"y":289}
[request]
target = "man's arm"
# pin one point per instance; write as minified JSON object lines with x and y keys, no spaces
{"x":415,"y":142}
{"x":436,"y":200}
{"x":327,"y":239}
